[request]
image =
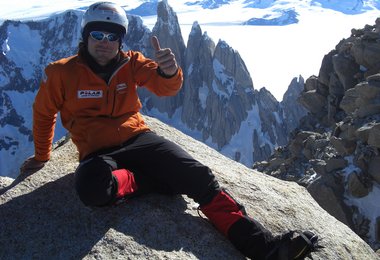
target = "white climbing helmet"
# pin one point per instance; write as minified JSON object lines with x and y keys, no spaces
{"x":105,"y":12}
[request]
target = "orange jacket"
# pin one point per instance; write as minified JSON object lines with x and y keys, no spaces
{"x":98,"y":115}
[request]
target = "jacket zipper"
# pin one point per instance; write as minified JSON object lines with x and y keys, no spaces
{"x":124,"y":62}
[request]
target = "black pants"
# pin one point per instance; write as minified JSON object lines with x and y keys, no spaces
{"x":158,"y":165}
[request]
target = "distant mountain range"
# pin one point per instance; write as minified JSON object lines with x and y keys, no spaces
{"x":218,"y":103}
{"x":283,"y":12}
{"x":347,"y":7}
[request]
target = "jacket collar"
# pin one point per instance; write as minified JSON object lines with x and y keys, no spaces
{"x":104,"y":72}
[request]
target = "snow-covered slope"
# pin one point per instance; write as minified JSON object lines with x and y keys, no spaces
{"x":348,"y":6}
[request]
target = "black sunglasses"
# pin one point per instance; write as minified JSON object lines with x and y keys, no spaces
{"x":99,"y":36}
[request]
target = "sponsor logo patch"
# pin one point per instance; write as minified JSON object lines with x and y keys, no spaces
{"x":90,"y":93}
{"x":121,"y":86}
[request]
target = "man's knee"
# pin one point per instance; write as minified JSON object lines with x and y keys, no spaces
{"x":204,"y":185}
{"x":94,"y":183}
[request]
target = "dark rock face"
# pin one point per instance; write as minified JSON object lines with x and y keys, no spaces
{"x":335,"y":151}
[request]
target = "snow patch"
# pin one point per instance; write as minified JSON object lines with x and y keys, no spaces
{"x":228,"y":82}
{"x":190,"y":69}
{"x":5,"y":47}
{"x":24,"y":42}
{"x":22,"y":103}
{"x":278,"y":118}
{"x":18,"y":145}
{"x":203,"y":94}
{"x":242,"y":141}
{"x":367,"y":206}
{"x":346,"y":7}
{"x":4,"y":80}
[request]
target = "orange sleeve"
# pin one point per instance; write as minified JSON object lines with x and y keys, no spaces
{"x":146,"y":75}
{"x":45,"y":108}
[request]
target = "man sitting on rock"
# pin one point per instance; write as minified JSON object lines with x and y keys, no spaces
{"x":120,"y":157}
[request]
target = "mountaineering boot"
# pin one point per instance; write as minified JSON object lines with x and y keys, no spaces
{"x":294,"y":245}
{"x":250,"y":237}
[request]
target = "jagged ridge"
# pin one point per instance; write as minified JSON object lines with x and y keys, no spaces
{"x":335,"y":151}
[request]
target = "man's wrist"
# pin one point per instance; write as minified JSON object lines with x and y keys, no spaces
{"x":41,"y":159}
{"x":164,"y":75}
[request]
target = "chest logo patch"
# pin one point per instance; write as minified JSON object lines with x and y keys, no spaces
{"x":121,"y":87}
{"x":90,"y":93}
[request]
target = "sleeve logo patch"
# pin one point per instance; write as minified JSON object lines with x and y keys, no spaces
{"x":90,"y":93}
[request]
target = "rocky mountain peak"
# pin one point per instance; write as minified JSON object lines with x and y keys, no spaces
{"x":335,"y":151}
{"x":168,"y":31}
{"x":293,"y":113}
{"x":235,"y":66}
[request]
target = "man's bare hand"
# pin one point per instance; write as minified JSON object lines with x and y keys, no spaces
{"x":31,"y":165}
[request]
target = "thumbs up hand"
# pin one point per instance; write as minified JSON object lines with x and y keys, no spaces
{"x":165,"y":58}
